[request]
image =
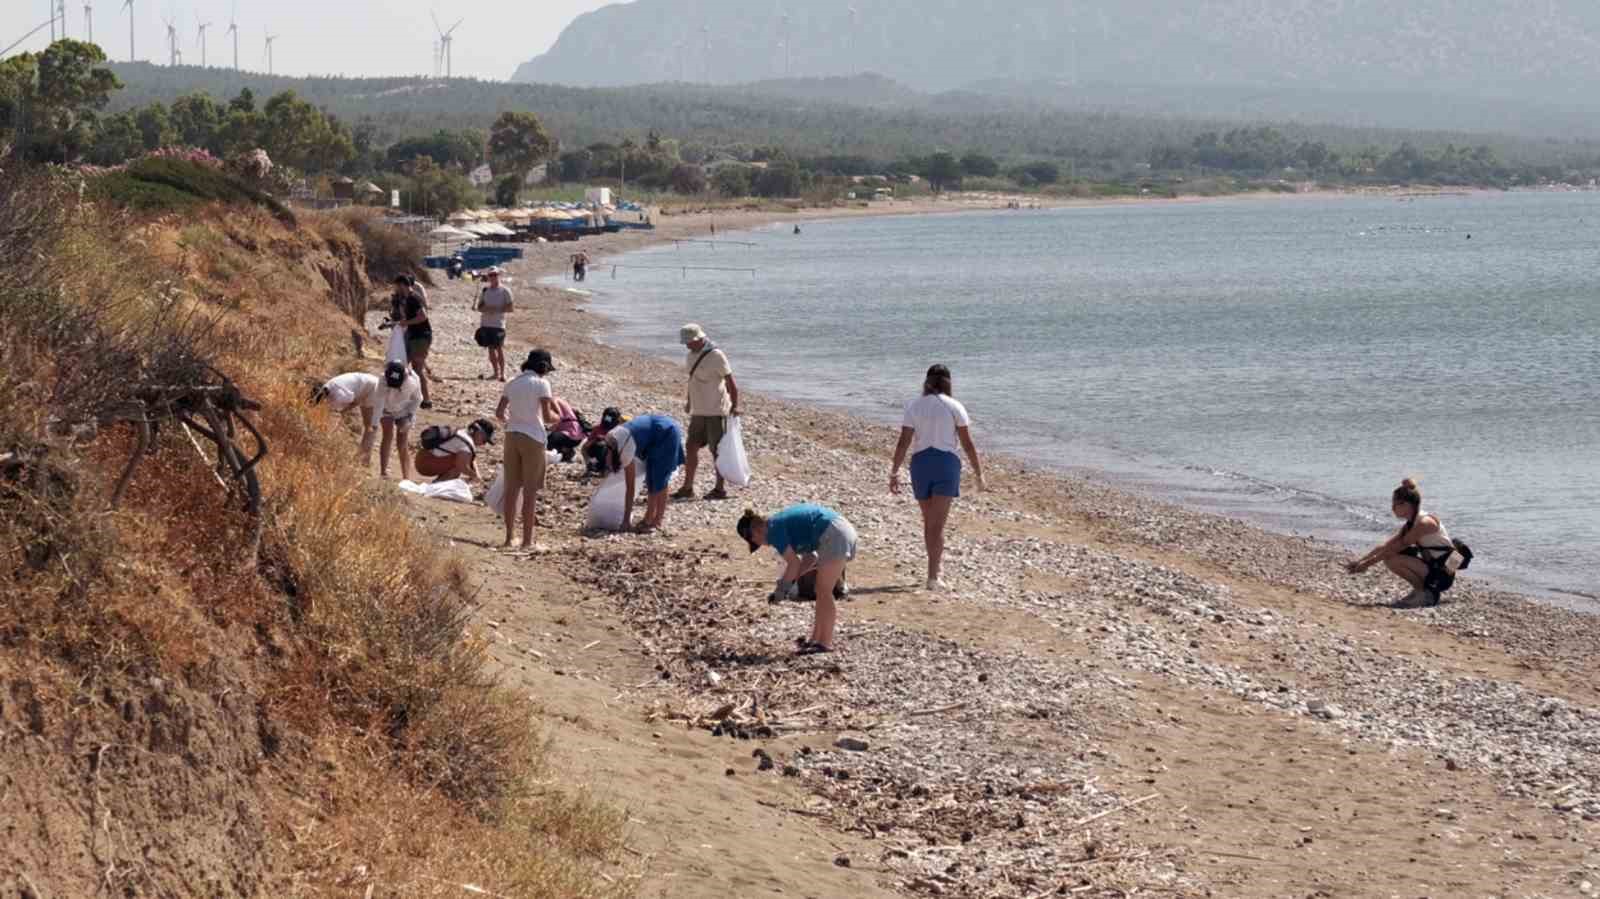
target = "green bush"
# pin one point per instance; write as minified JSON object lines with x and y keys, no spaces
{"x":171,"y":185}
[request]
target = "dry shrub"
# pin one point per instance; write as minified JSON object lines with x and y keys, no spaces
{"x":351,"y":619}
{"x":390,"y":251}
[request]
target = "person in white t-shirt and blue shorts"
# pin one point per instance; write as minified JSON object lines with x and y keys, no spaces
{"x":935,"y":425}
{"x":528,"y":411}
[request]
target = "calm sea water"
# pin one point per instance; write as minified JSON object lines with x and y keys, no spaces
{"x":1287,"y":362}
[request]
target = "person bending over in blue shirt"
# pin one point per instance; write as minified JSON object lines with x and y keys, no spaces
{"x":795,"y":533}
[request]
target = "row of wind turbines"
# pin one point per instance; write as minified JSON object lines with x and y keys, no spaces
{"x":443,"y":57}
{"x":58,"y":17}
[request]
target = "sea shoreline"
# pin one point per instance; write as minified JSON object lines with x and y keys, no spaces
{"x":1335,"y":538}
{"x":1220,"y":675}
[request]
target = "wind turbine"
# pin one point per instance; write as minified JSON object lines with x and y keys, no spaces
{"x":52,"y":4}
{"x":786,"y":42}
{"x":446,"y":40}
{"x":233,"y":26}
{"x":270,"y":39}
{"x":202,"y":29}
{"x":850,"y":42}
{"x":172,"y":42}
{"x":128,"y":5}
{"x":88,"y":20}
{"x":705,"y":39}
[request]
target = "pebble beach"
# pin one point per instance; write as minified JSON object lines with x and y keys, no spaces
{"x":1113,"y":697}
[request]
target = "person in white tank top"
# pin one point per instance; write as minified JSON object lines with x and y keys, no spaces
{"x":1421,"y":540}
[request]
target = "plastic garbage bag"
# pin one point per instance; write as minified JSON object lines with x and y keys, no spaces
{"x":552,"y":457}
{"x":455,"y":491}
{"x":732,"y":463}
{"x":396,"y":351}
{"x":609,"y":504}
{"x":495,"y":499}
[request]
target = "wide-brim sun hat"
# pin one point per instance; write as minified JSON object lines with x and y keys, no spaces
{"x":690,"y":333}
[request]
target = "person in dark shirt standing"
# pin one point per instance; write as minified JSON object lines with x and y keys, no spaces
{"x":408,"y":307}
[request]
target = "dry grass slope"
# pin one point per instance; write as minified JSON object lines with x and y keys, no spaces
{"x":195,"y":700}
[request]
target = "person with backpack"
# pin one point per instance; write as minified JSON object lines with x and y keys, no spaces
{"x":654,"y":443}
{"x":493,"y":303}
{"x":935,"y":423}
{"x":447,"y":454}
{"x":806,"y":534}
{"x":408,"y":308}
{"x":1421,"y":554}
{"x":527,"y":409}
{"x":713,"y":396}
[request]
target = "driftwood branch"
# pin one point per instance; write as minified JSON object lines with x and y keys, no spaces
{"x":142,"y":432}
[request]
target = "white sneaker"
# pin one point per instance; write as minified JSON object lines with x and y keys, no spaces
{"x":935,"y":585}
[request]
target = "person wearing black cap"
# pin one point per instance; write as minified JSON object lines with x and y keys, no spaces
{"x":408,"y":307}
{"x":401,"y":400}
{"x":455,"y":454}
{"x":798,"y":534}
{"x":528,"y":410}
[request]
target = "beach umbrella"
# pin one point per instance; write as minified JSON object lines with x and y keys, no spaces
{"x":447,"y":233}
{"x":461,"y":216}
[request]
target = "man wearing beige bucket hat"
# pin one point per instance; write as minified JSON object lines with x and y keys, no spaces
{"x":712,"y":397}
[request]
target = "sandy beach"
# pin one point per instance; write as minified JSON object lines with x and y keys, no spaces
{"x":1116,"y":697}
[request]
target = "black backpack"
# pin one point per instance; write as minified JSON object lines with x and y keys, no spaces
{"x":434,"y":436}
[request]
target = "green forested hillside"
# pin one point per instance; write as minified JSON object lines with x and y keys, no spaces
{"x":863,"y":116}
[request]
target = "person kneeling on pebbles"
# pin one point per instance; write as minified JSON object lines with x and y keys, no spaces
{"x":657,"y":441}
{"x":796,"y":533}
{"x":447,"y":454}
{"x":1421,"y":554}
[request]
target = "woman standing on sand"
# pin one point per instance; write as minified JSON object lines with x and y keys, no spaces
{"x":935,"y":423}
{"x":797,"y":533}
{"x":1421,"y":549}
{"x":656,"y":441}
{"x":408,"y":308}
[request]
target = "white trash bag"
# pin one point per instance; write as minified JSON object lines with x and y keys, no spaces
{"x":495,"y":499}
{"x":455,"y":490}
{"x":609,"y":504}
{"x":732,"y":463}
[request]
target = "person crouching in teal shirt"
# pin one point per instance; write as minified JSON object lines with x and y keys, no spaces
{"x":797,"y":533}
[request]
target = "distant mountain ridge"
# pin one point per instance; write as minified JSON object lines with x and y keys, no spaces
{"x":1460,"y":48}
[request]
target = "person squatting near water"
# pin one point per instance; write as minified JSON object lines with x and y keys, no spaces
{"x":399,"y":408}
{"x":935,"y":424}
{"x":447,"y":454}
{"x":494,"y":301}
{"x":527,"y":409}
{"x":713,"y":396}
{"x":408,"y":308}
{"x":806,"y":536}
{"x":1421,"y":554}
{"x":655,"y":441}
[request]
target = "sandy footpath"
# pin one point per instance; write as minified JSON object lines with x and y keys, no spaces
{"x":1116,"y":698}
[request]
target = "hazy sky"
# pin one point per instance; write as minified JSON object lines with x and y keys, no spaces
{"x":316,"y":37}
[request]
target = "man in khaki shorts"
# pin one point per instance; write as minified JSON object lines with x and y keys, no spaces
{"x":713,"y":396}
{"x":527,"y":407}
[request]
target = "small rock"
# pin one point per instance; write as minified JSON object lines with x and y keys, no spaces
{"x":842,"y":861}
{"x":713,"y":678}
{"x":791,"y":771}
{"x":853,"y":744}
{"x":730,"y":772}
{"x":1450,"y":765}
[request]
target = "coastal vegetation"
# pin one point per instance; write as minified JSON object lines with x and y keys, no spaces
{"x":205,"y":596}
{"x":861,"y":126}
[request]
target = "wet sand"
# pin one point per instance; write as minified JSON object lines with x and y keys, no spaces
{"x":1115,"y":696}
